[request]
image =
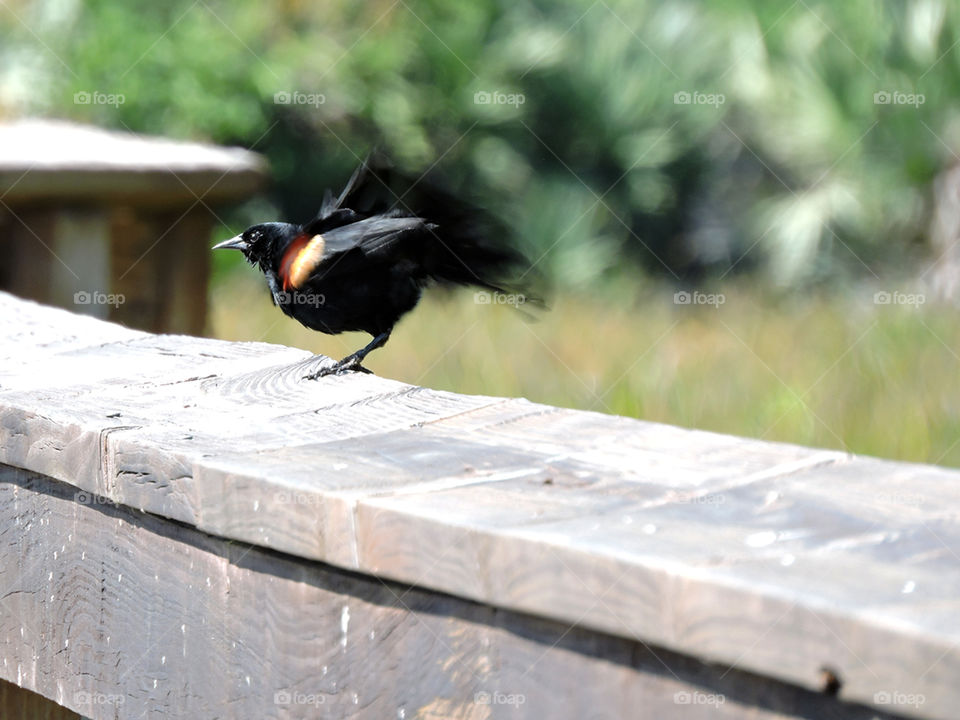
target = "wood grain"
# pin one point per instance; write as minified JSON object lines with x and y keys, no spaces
{"x":115,"y":614}
{"x":766,"y":558}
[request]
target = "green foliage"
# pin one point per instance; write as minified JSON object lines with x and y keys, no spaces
{"x":798,"y":170}
{"x":565,"y":117}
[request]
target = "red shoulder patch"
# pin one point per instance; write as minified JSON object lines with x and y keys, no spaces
{"x":300,"y":259}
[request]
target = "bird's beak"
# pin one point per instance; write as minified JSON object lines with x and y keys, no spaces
{"x":234,"y":243}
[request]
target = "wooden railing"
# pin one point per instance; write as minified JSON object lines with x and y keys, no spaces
{"x":189,"y":529}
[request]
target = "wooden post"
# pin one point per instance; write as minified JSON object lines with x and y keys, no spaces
{"x":106,"y":223}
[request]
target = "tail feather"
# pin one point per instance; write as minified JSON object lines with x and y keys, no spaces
{"x":463,"y":244}
{"x":467,"y":245}
{"x":460,"y":252}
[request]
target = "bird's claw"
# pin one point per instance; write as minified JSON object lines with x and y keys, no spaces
{"x":341,"y":368}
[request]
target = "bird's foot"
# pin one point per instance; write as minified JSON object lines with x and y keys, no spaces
{"x":348,"y":364}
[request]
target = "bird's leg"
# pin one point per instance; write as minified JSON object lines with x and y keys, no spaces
{"x":352,"y":362}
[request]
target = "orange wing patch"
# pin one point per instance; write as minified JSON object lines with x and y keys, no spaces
{"x":300,"y":260}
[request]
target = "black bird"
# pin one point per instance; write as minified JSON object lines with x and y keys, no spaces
{"x":364,"y":260}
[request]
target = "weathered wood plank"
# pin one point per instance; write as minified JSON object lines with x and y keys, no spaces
{"x":769,"y":558}
{"x":45,"y":159}
{"x":690,"y":577}
{"x":213,"y":629}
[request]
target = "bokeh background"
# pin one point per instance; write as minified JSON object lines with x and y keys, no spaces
{"x":746,"y":210}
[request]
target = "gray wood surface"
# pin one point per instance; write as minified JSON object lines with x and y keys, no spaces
{"x":53,"y":159}
{"x":770,"y":559}
{"x":120,"y":614}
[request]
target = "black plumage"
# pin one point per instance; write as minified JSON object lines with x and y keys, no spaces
{"x":364,"y":260}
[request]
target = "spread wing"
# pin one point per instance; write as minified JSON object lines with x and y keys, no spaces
{"x":313,"y":253}
{"x":384,"y":215}
{"x":368,"y":192}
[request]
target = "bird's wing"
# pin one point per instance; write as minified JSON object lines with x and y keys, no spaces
{"x":331,"y":204}
{"x":368,"y":191}
{"x":373,"y":237}
{"x":312,"y":253}
{"x":365,"y":194}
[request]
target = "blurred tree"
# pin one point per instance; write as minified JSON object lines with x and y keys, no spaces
{"x":678,"y":136}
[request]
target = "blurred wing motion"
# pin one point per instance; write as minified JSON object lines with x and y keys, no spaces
{"x":382,"y":213}
{"x":363,"y":261}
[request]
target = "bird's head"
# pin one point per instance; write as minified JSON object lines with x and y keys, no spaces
{"x":262,"y":245}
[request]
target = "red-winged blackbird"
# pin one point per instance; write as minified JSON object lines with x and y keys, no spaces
{"x":364,"y":260}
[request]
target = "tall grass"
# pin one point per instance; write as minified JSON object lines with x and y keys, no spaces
{"x":829,"y":369}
